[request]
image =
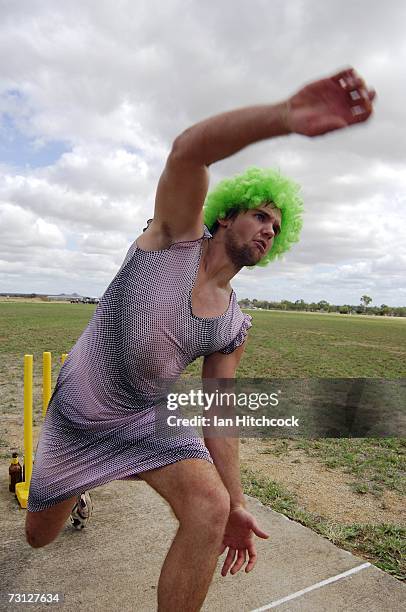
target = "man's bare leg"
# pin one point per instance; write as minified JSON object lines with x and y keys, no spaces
{"x":196,"y":494}
{"x":42,"y":527}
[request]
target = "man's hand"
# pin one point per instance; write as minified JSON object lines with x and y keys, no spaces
{"x":239,"y":537}
{"x":329,"y":104}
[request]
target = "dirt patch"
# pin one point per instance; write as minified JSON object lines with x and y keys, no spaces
{"x":321,"y":490}
{"x":12,"y":434}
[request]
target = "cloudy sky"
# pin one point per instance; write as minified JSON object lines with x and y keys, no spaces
{"x":92,"y":95}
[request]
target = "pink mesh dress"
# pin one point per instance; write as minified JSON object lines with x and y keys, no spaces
{"x":99,"y":424}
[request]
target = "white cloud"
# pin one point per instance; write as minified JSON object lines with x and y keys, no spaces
{"x":118,"y":82}
{"x":25,"y":230}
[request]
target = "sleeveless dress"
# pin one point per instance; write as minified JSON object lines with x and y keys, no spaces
{"x":99,"y":425}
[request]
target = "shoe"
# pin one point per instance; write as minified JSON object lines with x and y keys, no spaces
{"x":82,"y":511}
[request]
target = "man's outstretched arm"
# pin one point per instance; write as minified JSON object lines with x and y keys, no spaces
{"x":323,"y":106}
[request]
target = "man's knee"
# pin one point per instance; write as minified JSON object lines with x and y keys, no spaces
{"x":32,"y":538}
{"x":33,"y":542}
{"x":42,"y":527}
{"x":208,"y":506}
{"x":194,"y":490}
{"x":36,"y":539}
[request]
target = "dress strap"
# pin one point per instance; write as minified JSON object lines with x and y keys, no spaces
{"x":206,"y":233}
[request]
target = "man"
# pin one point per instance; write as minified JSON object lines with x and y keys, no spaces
{"x":171,"y":302}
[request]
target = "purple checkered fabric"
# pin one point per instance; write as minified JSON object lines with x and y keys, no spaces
{"x":99,"y":424}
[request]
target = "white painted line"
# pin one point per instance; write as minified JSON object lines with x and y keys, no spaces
{"x":273,"y":604}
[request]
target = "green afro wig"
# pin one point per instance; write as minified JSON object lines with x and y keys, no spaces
{"x":251,"y":189}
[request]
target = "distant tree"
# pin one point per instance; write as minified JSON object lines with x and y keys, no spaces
{"x":245,"y":303}
{"x":365,"y":300}
{"x":323,"y":305}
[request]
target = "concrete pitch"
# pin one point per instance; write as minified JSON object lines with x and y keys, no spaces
{"x":114,"y":563}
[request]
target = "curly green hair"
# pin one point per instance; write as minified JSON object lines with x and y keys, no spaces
{"x":251,"y":189}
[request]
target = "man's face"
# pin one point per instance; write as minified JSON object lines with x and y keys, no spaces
{"x":249,"y":236}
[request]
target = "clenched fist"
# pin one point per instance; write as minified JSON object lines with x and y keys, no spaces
{"x":329,"y":104}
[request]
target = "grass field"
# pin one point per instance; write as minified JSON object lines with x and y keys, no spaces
{"x":281,"y":345}
{"x":304,"y":345}
{"x":291,"y":345}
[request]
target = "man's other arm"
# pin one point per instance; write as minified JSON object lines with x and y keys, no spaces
{"x":224,"y":450}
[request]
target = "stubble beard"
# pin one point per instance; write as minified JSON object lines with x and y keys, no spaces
{"x":240,"y":255}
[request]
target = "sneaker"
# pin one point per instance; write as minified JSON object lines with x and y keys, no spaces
{"x":82,"y":511}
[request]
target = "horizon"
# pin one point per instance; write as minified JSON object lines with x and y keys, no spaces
{"x":355,"y":304}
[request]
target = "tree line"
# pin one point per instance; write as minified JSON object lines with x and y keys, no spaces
{"x":324,"y":306}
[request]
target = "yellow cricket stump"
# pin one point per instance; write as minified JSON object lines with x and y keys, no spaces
{"x":22,"y":488}
{"x":46,"y":381}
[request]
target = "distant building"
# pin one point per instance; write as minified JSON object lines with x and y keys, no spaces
{"x":62,"y":297}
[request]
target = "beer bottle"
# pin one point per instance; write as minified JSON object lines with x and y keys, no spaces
{"x":15,"y":473}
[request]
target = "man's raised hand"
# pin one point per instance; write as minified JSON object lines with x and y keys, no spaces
{"x":329,"y":104}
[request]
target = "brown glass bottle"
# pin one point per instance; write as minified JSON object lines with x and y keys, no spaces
{"x":15,"y":473}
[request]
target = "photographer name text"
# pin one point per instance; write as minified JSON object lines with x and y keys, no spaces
{"x":236,"y":421}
